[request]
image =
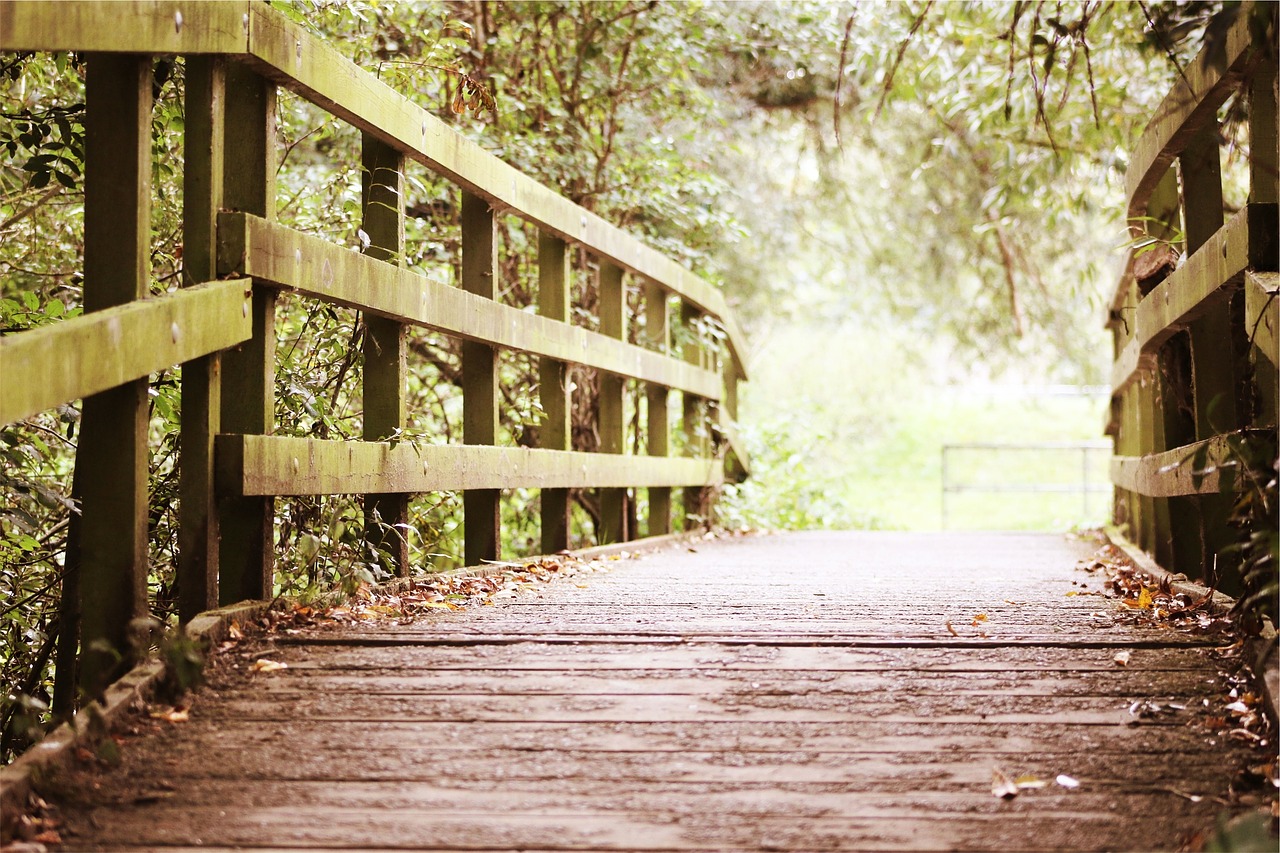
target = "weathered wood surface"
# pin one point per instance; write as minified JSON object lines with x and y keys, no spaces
{"x":1201,"y":88}
{"x":277,"y":255}
{"x":101,"y":350}
{"x":785,"y":693}
{"x":1249,"y":239}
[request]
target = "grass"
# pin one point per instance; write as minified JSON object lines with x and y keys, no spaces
{"x":846,"y":431}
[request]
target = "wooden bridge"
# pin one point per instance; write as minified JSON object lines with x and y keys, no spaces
{"x":812,"y":691}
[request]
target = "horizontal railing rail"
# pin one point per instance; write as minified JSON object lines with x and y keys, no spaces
{"x":220,"y":327}
{"x":1194,"y":317}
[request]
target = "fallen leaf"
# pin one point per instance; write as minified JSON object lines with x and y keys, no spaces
{"x":234,"y":632}
{"x":1026,"y":781}
{"x":1122,"y":658}
{"x":264,"y":665}
{"x":171,"y":715}
{"x":1002,"y":786}
{"x":952,"y":629}
{"x":1067,"y":781}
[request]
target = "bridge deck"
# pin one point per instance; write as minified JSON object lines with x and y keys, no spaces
{"x":808,"y":691}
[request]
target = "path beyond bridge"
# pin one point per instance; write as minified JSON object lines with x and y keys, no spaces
{"x":809,"y":691}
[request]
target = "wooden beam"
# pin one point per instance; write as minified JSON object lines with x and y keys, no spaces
{"x":104,"y":349}
{"x":1262,"y":312}
{"x":111,"y":458}
{"x":1205,"y":468}
{"x":696,"y":428}
{"x":202,"y":179}
{"x":1192,"y":104}
{"x":480,"y":507}
{"x":555,"y":431}
{"x":612,"y":402}
{"x":658,"y":397}
{"x":285,"y":465}
{"x":1264,"y":138}
{"x":135,"y":26}
{"x":247,"y":551}
{"x":281,"y":257}
{"x":1247,"y":240}
{"x":386,"y":516}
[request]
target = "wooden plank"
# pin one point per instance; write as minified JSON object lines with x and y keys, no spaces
{"x":385,"y":379}
{"x":612,"y":402}
{"x":246,"y":553}
{"x":480,"y":506}
{"x":135,"y":26}
{"x":1248,"y":239}
{"x":111,"y":458}
{"x":1204,"y":468}
{"x":281,"y":465}
{"x":1262,"y":313}
{"x":316,"y":70}
{"x":1193,"y":103}
{"x":104,"y":349}
{"x":202,"y":178}
{"x":279,"y":256}
{"x":555,"y":430}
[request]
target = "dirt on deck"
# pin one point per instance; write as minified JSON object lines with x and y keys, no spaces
{"x":813,"y":691}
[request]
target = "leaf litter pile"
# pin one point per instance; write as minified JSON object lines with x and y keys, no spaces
{"x":405,"y":602}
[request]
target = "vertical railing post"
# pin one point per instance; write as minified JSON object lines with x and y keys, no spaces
{"x":385,"y":378}
{"x":480,"y":378}
{"x":1152,"y":390}
{"x":201,"y":379}
{"x":1264,"y":139}
{"x":111,"y":459}
{"x":555,"y":431}
{"x":248,"y":372}
{"x":694,"y":420}
{"x":658,"y":330}
{"x":613,"y":424}
{"x":1215,"y":349}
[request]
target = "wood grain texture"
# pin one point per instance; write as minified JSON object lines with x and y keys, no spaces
{"x":808,"y":696}
{"x":1247,"y":240}
{"x":65,"y":361}
{"x":285,"y":465}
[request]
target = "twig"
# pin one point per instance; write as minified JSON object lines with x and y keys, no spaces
{"x":835,"y":101}
{"x":902,"y":50}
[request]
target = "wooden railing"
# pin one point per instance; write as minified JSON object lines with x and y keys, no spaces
{"x":220,"y":326}
{"x":1194,"y":317}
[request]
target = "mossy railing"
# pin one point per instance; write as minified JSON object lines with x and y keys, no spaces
{"x":220,"y":326}
{"x":1194,"y":318}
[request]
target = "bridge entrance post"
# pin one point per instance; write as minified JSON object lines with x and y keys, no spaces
{"x":247,"y":558}
{"x":109,"y":547}
{"x":198,"y":534}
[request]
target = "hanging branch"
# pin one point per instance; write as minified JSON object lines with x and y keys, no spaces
{"x":902,"y":50}
{"x":844,"y":49}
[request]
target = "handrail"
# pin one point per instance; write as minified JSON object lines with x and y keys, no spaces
{"x":1202,"y":87}
{"x":1194,"y":377}
{"x":222,"y":332}
{"x":294,"y":58}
